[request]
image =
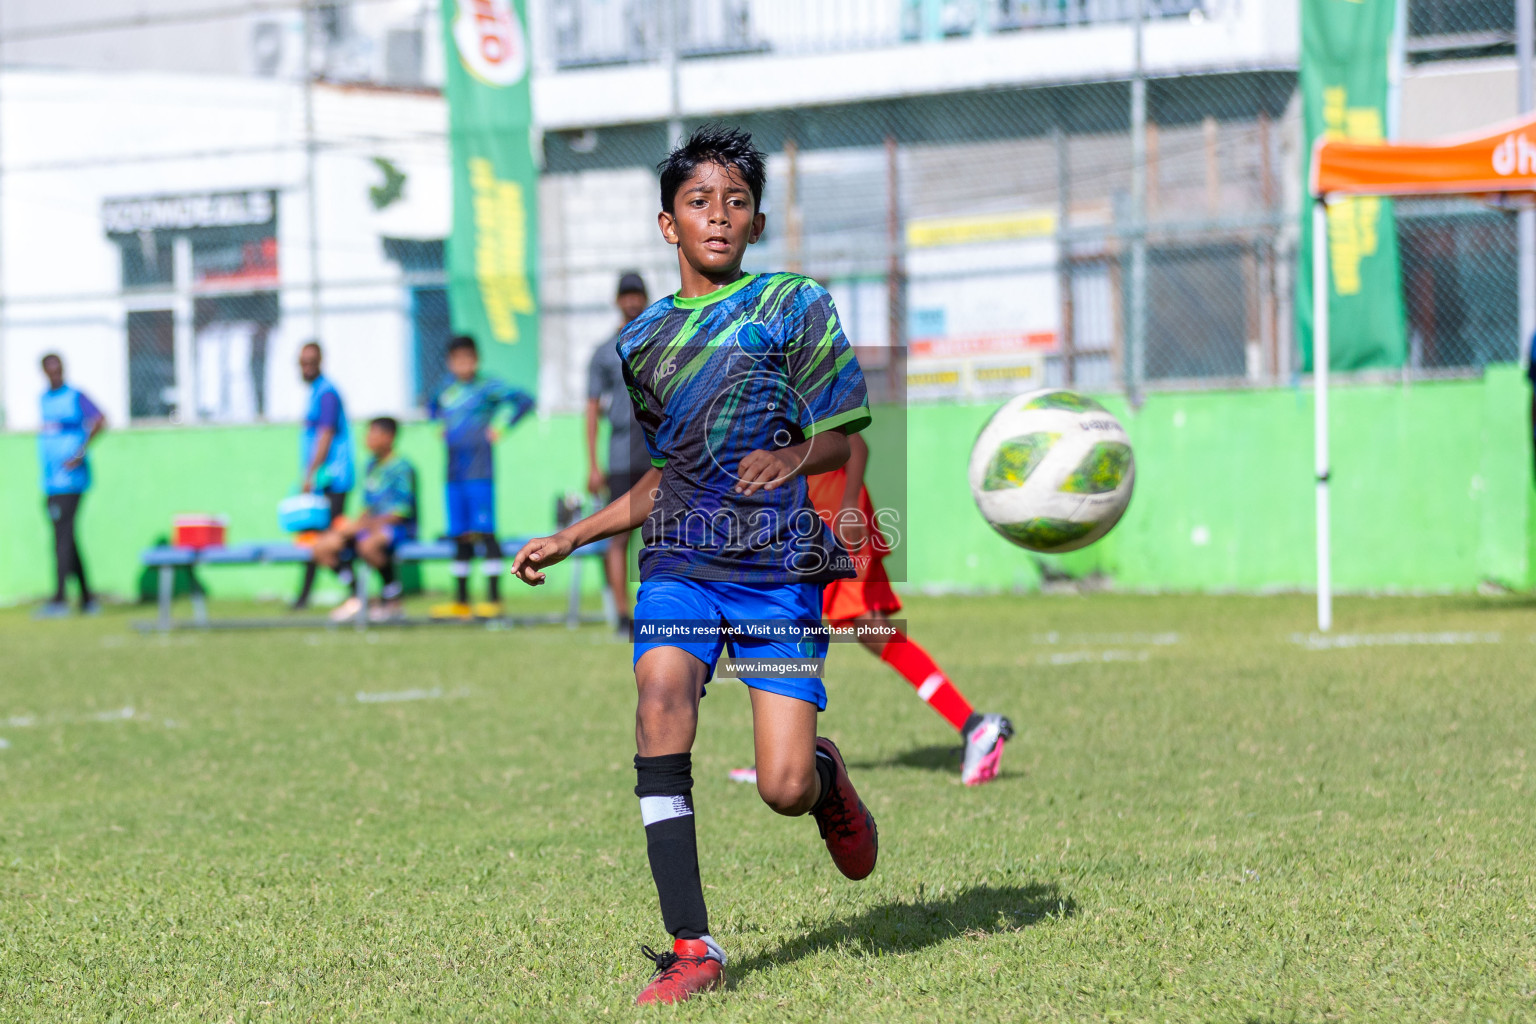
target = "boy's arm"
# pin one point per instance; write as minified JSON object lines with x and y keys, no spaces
{"x":767,"y":471}
{"x":621,"y":515}
{"x":852,"y":530}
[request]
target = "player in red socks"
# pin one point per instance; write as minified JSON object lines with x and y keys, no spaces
{"x":843,"y":501}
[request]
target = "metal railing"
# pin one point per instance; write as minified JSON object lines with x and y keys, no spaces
{"x":586,"y":33}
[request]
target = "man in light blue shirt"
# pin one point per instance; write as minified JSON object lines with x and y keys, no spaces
{"x":325,"y":449}
{"x":70,"y":421}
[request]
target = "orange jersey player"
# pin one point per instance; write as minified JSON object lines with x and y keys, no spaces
{"x":843,"y":501}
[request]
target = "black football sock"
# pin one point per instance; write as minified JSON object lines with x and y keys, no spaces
{"x":665,"y":789}
{"x":389,"y":588}
{"x":826,"y":771}
{"x":463,"y":551}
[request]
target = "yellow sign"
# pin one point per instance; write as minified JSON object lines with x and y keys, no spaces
{"x":501,"y":249}
{"x":929,"y":232}
{"x":1353,"y":223}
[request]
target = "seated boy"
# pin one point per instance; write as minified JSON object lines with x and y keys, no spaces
{"x":389,"y":517}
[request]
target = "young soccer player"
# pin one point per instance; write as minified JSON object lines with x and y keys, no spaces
{"x":467,"y":408}
{"x":842,"y":500}
{"x":70,"y":422}
{"x":743,"y":384}
{"x":389,"y":517}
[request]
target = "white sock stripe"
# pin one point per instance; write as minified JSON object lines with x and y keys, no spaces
{"x":931,"y":685}
{"x":458,"y":569}
{"x":492,"y":567}
{"x":663,"y":808}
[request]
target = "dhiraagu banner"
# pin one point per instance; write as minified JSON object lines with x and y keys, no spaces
{"x":1346,"y":61}
{"x":493,"y":250}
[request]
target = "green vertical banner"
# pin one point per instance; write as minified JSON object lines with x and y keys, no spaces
{"x":1346,"y":62}
{"x":493,"y":250}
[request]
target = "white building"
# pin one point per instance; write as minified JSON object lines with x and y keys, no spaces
{"x":962,"y":173}
{"x":156,"y":232}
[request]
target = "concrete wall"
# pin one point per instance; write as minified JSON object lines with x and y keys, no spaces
{"x":1432,"y":492}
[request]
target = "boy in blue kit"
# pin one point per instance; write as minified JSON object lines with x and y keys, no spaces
{"x":70,"y":422}
{"x":467,"y":408}
{"x":743,"y":385}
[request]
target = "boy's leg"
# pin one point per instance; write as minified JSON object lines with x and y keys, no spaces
{"x":492,"y":566}
{"x":984,"y":734}
{"x":799,"y":773}
{"x":463,"y":554}
{"x":670,"y":682}
{"x":915,"y":666}
{"x":784,"y":740}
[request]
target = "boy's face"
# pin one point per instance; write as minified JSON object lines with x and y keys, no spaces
{"x":53,"y":369}
{"x":713,"y":220}
{"x":464,"y":363}
{"x":379,"y":441}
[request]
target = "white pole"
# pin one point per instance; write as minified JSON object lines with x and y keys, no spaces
{"x":1525,"y":29}
{"x":1320,"y":354}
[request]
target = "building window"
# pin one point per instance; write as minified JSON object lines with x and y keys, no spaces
{"x":151,"y":364}
{"x":421,"y":263}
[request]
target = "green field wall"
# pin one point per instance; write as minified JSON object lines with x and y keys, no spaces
{"x":1432,"y":491}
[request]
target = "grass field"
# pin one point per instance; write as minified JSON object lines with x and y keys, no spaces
{"x":1201,"y":819}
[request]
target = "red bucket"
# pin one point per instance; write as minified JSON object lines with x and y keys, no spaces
{"x":198,"y":531}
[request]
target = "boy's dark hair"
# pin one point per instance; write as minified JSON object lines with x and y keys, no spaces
{"x":388,"y":424}
{"x":714,"y":143}
{"x":460,"y":342}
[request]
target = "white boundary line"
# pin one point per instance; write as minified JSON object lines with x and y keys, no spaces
{"x":1348,"y":641}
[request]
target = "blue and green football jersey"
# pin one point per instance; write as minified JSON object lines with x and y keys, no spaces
{"x":467,"y":410}
{"x":760,"y":364}
{"x":389,"y":489}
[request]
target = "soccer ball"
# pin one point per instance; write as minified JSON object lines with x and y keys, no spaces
{"x":1052,"y":471}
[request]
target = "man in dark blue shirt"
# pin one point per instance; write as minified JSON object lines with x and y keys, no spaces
{"x":70,"y":421}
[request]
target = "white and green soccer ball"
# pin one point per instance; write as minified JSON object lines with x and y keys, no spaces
{"x":1052,"y":471}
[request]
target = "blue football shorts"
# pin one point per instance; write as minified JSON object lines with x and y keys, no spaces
{"x":471,"y":507}
{"x":672,"y":599}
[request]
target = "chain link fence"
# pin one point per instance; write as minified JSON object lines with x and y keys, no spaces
{"x":1004,"y":238}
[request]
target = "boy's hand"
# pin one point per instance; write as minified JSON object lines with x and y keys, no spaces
{"x":765,"y":471}
{"x":539,"y":553}
{"x":492,"y":434}
{"x":596,"y":482}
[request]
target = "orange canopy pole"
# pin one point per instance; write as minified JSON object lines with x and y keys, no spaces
{"x":1499,"y":159}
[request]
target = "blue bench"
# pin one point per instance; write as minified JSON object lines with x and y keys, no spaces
{"x":166,"y":560}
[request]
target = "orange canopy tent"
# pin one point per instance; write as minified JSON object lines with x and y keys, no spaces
{"x":1497,"y":164}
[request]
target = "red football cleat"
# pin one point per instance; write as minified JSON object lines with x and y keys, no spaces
{"x":694,"y":965}
{"x":845,"y":822}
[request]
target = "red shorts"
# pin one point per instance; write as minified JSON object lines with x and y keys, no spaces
{"x":842,"y":600}
{"x":870,"y":591}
